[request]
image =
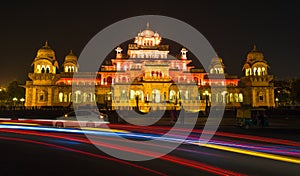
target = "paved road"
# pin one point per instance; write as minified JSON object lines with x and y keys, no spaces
{"x":38,"y":151}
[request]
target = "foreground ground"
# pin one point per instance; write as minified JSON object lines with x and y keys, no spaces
{"x":43,"y":150}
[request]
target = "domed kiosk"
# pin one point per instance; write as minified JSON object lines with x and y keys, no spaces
{"x":257,"y":83}
{"x":70,"y":64}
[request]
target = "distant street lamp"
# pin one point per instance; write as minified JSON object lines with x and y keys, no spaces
{"x":15,"y":99}
{"x":22,"y":100}
{"x":277,"y":102}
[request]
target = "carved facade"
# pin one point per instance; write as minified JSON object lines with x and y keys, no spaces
{"x":148,"y":77}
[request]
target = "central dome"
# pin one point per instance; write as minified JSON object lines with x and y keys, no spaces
{"x":147,"y":33}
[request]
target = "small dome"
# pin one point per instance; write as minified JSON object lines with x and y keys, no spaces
{"x":217,"y":61}
{"x":183,"y":49}
{"x":118,"y":48}
{"x":255,"y":55}
{"x":45,"y":52}
{"x":71,"y":57}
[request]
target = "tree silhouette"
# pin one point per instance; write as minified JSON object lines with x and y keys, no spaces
{"x":14,"y":89}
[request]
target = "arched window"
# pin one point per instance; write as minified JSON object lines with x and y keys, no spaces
{"x":261,"y":96}
{"x":215,"y":97}
{"x":231,"y":97}
{"x":255,"y":71}
{"x":140,"y":93}
{"x":123,"y":95}
{"x":241,"y":98}
{"x":199,"y":96}
{"x":259,"y":71}
{"x":43,"y":69}
{"x":38,"y":69}
{"x":88,"y":97}
{"x":65,"y":97}
{"x":60,"y":97}
{"x":109,"y":80}
{"x":77,"y":96}
{"x":236,"y":97}
{"x":70,"y":97}
{"x":172,"y":96}
{"x":84,"y":97}
{"x":221,"y":71}
{"x":196,"y":80}
{"x":224,"y":98}
{"x":187,"y":95}
{"x":42,"y":95}
{"x":263,"y":71}
{"x":220,"y":97}
{"x":157,"y":73}
{"x":132,"y":94}
{"x":47,"y":69}
{"x":66,"y":69}
{"x":124,"y":79}
{"x":180,"y":94}
{"x":94,"y":97}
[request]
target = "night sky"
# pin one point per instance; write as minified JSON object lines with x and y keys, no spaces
{"x":232,"y":27}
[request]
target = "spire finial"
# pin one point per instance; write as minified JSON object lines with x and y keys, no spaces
{"x":254,"y":47}
{"x":148,"y":25}
{"x":71,"y":51}
{"x":46,"y":43}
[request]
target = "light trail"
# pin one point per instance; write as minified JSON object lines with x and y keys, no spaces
{"x":252,"y":153}
{"x":84,"y":153}
{"x":181,"y":161}
{"x":219,"y":145}
{"x":163,"y":130}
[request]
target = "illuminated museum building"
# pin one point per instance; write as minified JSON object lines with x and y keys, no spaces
{"x":146,"y":76}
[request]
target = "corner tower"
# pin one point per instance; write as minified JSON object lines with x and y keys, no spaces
{"x":258,"y":84}
{"x":216,"y":66}
{"x":70,"y":64}
{"x":39,"y":89}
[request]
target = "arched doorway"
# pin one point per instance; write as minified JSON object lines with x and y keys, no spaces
{"x":109,"y":80}
{"x":156,"y":96}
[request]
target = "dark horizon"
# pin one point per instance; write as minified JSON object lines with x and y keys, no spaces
{"x":232,"y":27}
